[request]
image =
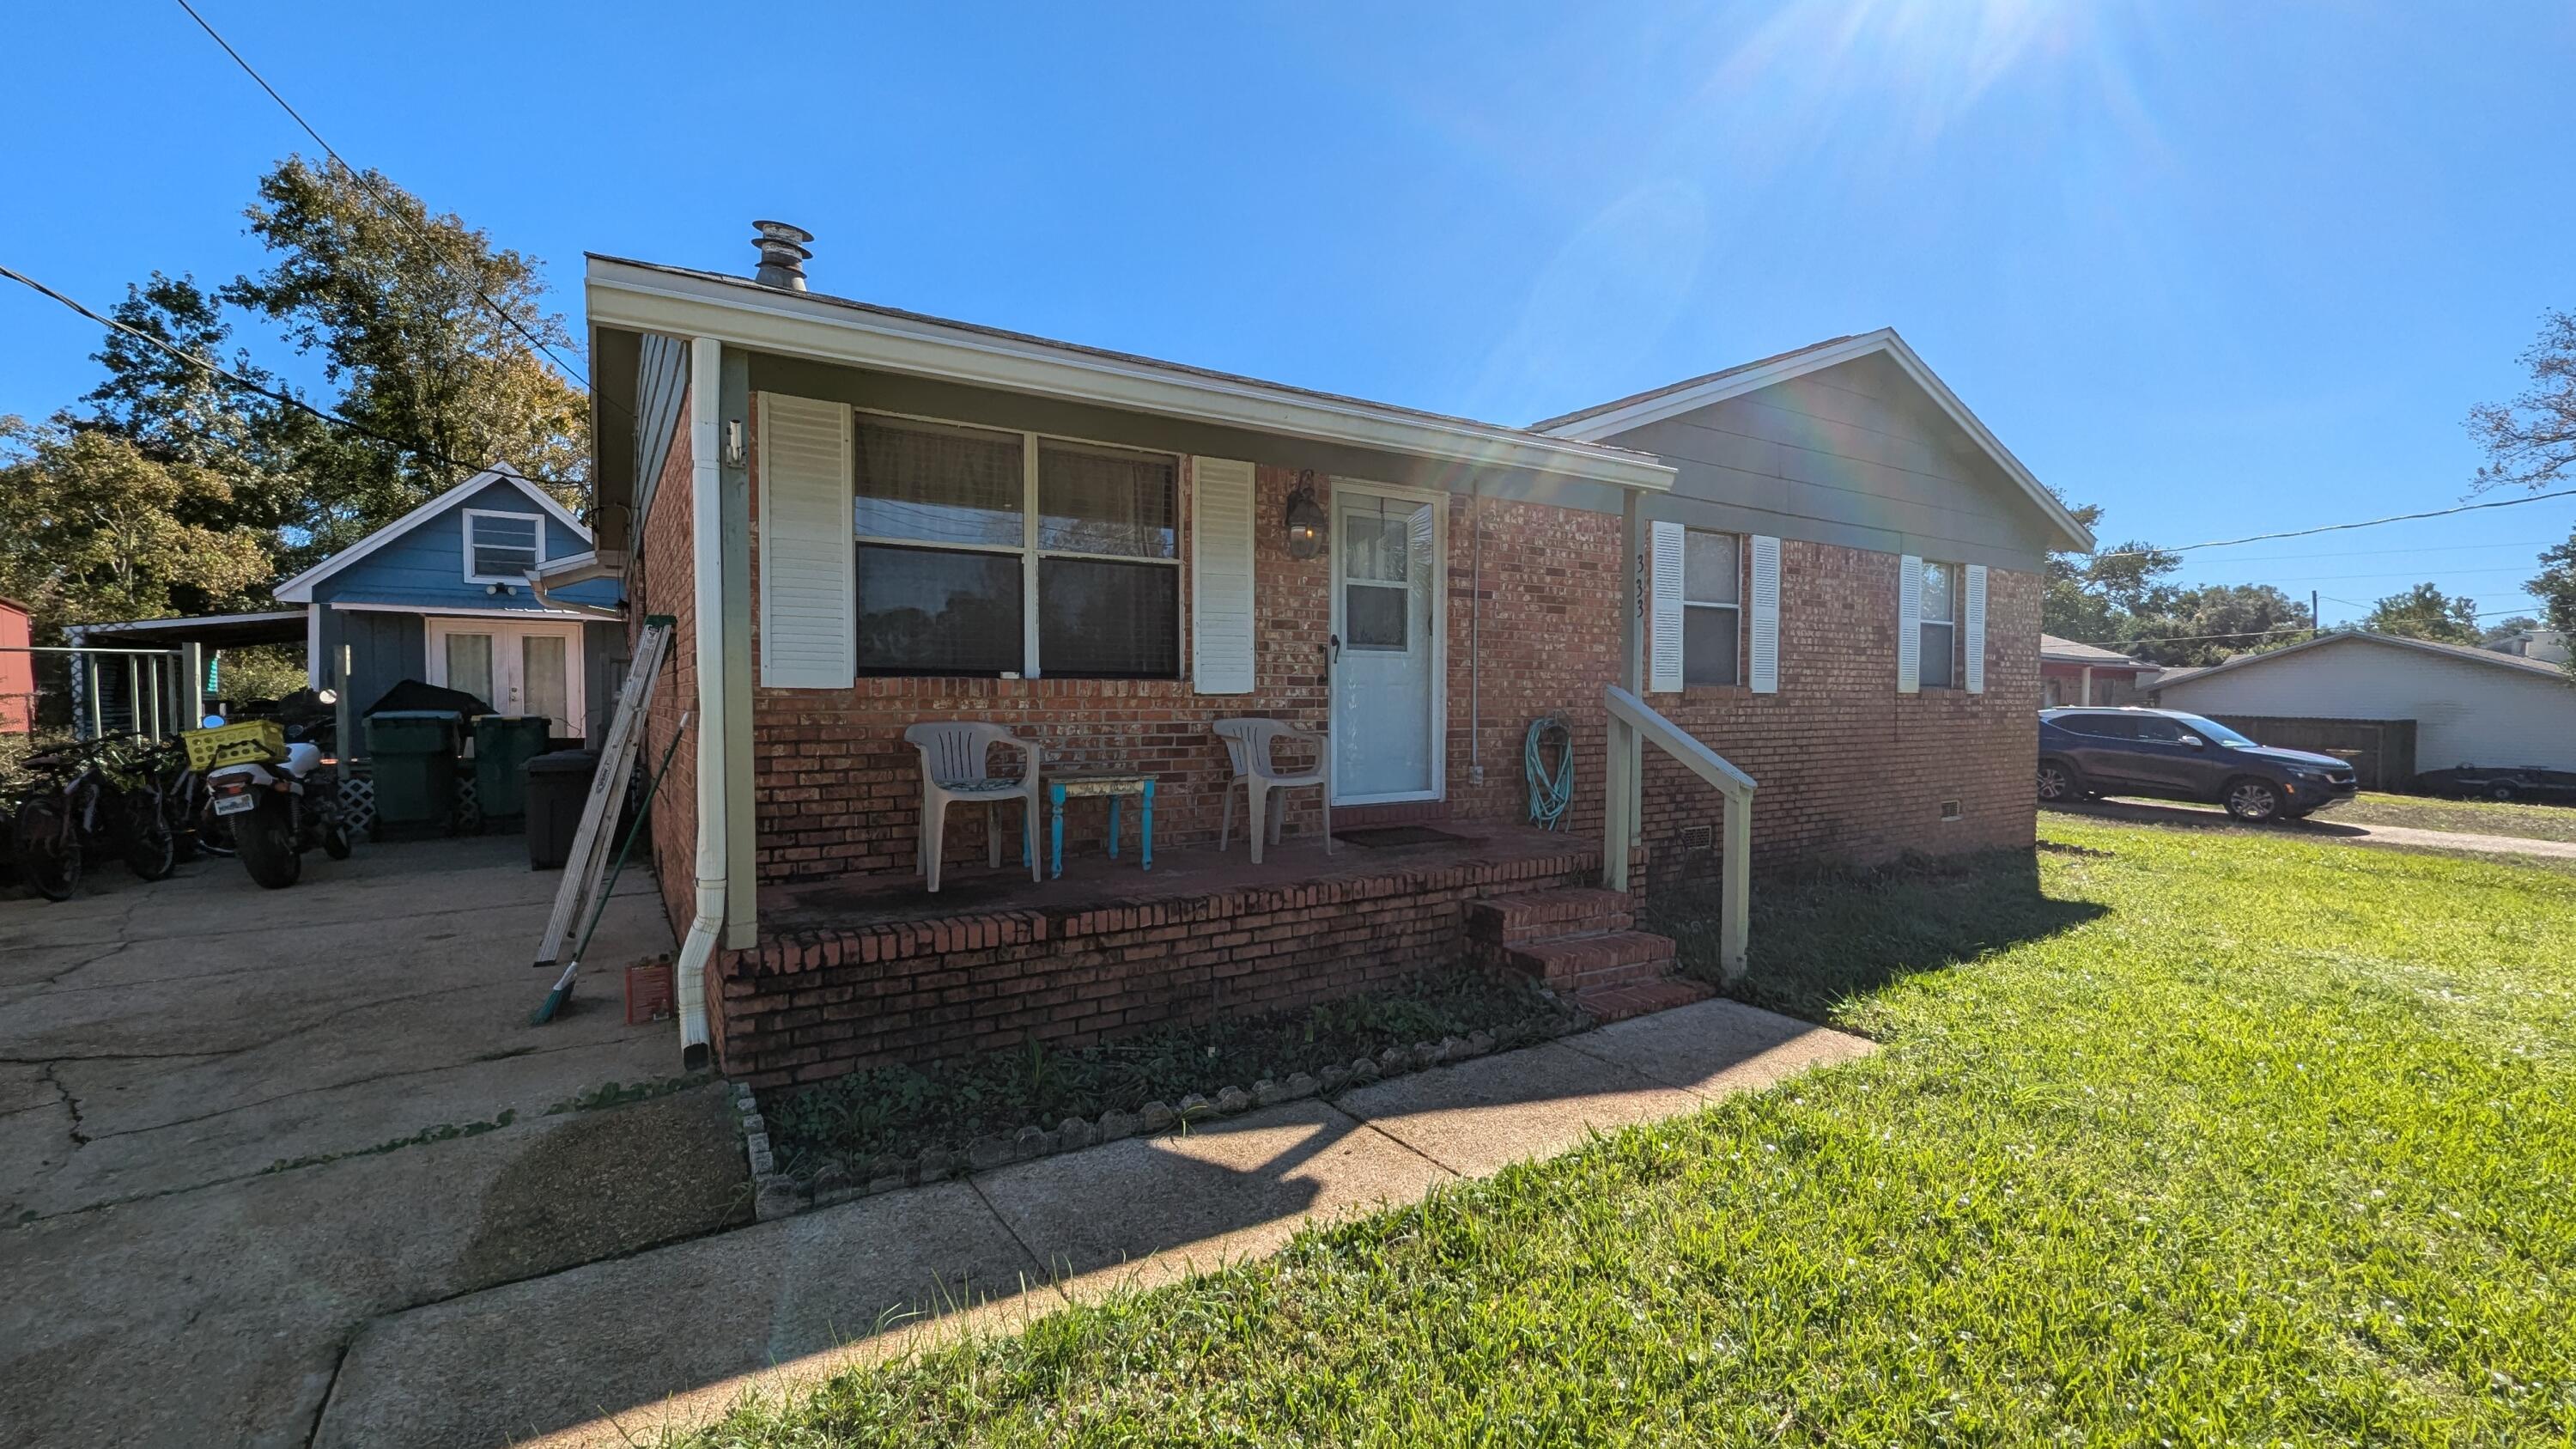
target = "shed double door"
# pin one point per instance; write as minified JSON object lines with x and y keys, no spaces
{"x":517,"y":668}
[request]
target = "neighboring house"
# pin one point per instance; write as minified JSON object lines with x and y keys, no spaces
{"x":2079,"y":674}
{"x":2468,"y":706}
{"x":2549,"y":646}
{"x":441,"y":594}
{"x":1821,"y":566}
{"x":17,"y":670}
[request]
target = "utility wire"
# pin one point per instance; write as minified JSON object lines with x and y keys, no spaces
{"x":382,"y":201}
{"x":2339,"y":527}
{"x":285,"y":399}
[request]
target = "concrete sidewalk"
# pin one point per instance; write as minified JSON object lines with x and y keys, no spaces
{"x":615,"y":1349}
{"x":2322,"y":827}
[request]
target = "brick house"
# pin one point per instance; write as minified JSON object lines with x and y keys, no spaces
{"x":862,"y":519}
{"x":2081,"y":674}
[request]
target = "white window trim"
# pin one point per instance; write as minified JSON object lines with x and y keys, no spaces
{"x":1925,"y":623}
{"x":1743,"y":551}
{"x":1027,"y":549}
{"x":536,"y":521}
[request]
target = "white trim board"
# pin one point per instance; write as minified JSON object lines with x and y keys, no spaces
{"x":455,"y":611}
{"x":1624,"y":417}
{"x":645,"y":297}
{"x":299,"y":589}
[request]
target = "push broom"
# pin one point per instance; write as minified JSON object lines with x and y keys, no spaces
{"x":562,"y":993}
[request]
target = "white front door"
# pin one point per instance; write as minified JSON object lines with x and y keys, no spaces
{"x":1388,"y":624}
{"x":531,"y":667}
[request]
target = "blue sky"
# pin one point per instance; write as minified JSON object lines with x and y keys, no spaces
{"x":2220,"y":268}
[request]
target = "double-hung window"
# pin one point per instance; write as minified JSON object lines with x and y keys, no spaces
{"x":988,"y":552}
{"x":500,"y":548}
{"x":1712,"y":608}
{"x":1940,"y":625}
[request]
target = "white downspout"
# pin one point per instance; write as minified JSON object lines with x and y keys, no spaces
{"x":2088,"y":684}
{"x":706,"y":526}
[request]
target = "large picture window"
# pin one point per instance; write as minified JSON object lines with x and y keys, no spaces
{"x":1940,"y":625}
{"x":986,"y":552}
{"x":1712,"y":608}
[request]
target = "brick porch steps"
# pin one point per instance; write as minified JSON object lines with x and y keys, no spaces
{"x":1579,"y":941}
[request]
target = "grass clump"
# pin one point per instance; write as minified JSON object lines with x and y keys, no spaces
{"x":900,"y":1110}
{"x":2177,"y":1137}
{"x":2470,"y":817}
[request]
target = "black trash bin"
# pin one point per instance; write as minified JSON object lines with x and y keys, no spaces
{"x":558,"y":787}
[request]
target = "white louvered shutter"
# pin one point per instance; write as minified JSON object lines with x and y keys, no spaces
{"x":808,"y":560}
{"x":1763,"y":670}
{"x":1909,"y":625}
{"x":1664,"y":657}
{"x":1221,"y":593}
{"x":1973,"y":627}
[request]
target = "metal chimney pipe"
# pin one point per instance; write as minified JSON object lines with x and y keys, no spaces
{"x":782,"y":254}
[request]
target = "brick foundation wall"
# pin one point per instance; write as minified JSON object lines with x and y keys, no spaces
{"x":1850,"y":770}
{"x":813,"y":1006}
{"x":839,"y":790}
{"x":666,"y":585}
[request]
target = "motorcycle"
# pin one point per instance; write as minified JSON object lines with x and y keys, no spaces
{"x":277,"y":808}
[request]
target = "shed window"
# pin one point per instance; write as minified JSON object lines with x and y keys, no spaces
{"x":1940,"y":625}
{"x":1712,"y":608}
{"x":988,"y":552}
{"x":500,"y":548}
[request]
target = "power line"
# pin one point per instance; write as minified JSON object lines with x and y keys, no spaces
{"x":382,"y":201}
{"x":285,"y":399}
{"x":2383,"y":552}
{"x":2340,"y":527}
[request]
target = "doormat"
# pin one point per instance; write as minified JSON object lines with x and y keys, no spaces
{"x":1379,"y":837}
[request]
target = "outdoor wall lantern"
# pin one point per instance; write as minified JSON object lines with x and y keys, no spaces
{"x":1305,"y":518}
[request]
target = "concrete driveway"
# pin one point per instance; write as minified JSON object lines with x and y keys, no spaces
{"x":2322,"y":826}
{"x":237,"y":1123}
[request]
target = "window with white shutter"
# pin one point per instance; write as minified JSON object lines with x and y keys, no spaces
{"x":807,"y":573}
{"x":1763,"y":672}
{"x":1664,"y":660}
{"x":1972,"y":627}
{"x":1909,"y":624}
{"x":1221,"y":589}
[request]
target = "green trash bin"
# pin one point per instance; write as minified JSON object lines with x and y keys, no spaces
{"x":503,"y":745}
{"x":413,"y":755}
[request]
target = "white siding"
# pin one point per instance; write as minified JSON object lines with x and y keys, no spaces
{"x":2465,"y":713}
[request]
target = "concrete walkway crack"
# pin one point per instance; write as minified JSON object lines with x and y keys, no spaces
{"x":531,"y":1053}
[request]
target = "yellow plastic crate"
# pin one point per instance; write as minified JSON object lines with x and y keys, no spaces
{"x":262,"y":740}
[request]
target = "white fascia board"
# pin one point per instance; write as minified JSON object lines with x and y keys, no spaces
{"x":452,"y":611}
{"x":649,"y":300}
{"x":1655,"y":409}
{"x":299,"y":589}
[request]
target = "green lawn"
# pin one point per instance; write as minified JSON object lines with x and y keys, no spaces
{"x":2181,"y":1138}
{"x":2476,"y":817}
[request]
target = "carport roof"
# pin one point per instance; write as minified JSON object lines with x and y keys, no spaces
{"x":219,"y":631}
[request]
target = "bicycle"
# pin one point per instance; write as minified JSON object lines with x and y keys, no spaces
{"x":89,"y":799}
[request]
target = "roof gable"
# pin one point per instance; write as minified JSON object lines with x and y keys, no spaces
{"x":299,"y":589}
{"x":2536,"y":668}
{"x":1607,"y":420}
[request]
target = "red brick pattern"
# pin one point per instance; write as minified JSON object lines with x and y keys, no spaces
{"x":666,"y":586}
{"x":812,"y":1005}
{"x":1849,"y":769}
{"x":839,"y":790}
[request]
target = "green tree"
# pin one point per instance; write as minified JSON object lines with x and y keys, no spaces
{"x":2425,"y":612}
{"x":399,"y":303}
{"x":2556,"y":590}
{"x":93,"y":529}
{"x":2530,"y":442}
{"x":2182,"y":627}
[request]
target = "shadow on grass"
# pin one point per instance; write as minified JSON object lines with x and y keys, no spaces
{"x":1829,"y":936}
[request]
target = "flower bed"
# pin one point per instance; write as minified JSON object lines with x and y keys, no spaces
{"x":889,"y":1126}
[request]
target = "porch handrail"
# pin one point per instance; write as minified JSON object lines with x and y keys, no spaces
{"x":1633,"y":724}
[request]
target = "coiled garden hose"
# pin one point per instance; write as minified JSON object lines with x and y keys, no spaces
{"x":1550,"y":791}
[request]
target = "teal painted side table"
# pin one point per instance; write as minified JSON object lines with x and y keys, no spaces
{"x":1115,"y":786}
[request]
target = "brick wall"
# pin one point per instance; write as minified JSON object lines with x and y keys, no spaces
{"x":1849,"y":769}
{"x":666,"y":586}
{"x":812,"y":1006}
{"x":839,"y":790}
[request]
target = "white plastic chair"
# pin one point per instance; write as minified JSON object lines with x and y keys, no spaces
{"x":1247,"y":745}
{"x":953,"y":772}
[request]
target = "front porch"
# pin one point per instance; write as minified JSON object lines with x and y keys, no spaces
{"x":858,"y":970}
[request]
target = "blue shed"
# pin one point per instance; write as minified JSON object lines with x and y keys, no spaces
{"x":441,"y":594}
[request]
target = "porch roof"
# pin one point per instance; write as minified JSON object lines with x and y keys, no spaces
{"x":683,"y":302}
